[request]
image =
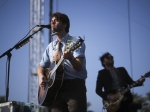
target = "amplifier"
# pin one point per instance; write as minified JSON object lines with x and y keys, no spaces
{"x":15,"y":106}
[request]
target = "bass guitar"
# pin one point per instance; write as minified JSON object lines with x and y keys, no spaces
{"x":114,"y":106}
{"x":47,"y":96}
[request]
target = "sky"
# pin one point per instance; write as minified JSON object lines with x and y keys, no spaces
{"x":114,"y":26}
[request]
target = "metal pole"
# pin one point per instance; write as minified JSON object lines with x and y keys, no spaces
{"x":50,"y":15}
{"x":130,"y":43}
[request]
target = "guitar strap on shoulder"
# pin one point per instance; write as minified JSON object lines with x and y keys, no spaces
{"x":67,"y":45}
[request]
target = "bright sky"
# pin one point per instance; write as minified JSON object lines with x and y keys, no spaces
{"x":105,"y":25}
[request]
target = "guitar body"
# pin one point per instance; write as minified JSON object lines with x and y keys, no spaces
{"x":113,"y":106}
{"x":47,"y":96}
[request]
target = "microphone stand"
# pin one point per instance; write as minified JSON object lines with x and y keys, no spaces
{"x":8,"y":53}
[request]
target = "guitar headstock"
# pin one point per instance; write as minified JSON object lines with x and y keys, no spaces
{"x":77,"y":44}
{"x":147,"y":74}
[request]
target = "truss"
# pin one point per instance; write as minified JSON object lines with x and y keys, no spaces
{"x":36,"y":48}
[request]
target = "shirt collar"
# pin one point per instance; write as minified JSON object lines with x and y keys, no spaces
{"x":63,"y":40}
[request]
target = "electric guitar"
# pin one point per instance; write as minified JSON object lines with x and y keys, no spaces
{"x":47,"y":96}
{"x":114,"y":106}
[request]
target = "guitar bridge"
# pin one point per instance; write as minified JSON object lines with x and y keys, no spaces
{"x":106,"y":105}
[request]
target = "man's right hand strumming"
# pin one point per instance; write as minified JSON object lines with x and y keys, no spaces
{"x":112,"y":97}
{"x":42,"y":78}
{"x":42,"y":81}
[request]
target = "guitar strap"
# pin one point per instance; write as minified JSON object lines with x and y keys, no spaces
{"x":67,"y":45}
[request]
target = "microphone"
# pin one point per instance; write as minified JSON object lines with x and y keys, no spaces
{"x":45,"y":26}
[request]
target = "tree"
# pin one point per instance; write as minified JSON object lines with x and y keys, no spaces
{"x":88,"y":105}
{"x":144,"y":101}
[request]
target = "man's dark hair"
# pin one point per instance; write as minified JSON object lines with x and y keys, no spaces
{"x":102,"y":58}
{"x":62,"y":18}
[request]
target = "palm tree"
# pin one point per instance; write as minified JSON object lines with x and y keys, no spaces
{"x":88,"y":105}
{"x":148,"y":97}
{"x":138,"y":98}
{"x":144,"y":101}
{"x":146,"y":106}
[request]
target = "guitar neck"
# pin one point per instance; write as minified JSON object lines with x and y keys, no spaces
{"x":57,"y":65}
{"x":60,"y":61}
{"x":129,"y":87}
{"x":135,"y":83}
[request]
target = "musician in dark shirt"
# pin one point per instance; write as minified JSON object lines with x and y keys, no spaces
{"x":112,"y":79}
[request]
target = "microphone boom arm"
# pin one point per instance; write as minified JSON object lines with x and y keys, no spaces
{"x":8,"y":53}
{"x":26,"y":40}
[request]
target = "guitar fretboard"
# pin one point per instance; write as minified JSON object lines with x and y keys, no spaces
{"x":57,"y":65}
{"x":129,"y":87}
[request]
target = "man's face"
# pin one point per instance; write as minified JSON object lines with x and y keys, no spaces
{"x":108,"y":60}
{"x":56,"y":26}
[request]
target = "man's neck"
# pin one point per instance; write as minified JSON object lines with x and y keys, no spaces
{"x":110,"y":68}
{"x":61,"y":35}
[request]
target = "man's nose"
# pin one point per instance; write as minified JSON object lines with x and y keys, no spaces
{"x":52,"y":22}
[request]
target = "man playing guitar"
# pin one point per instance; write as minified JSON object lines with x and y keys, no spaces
{"x":71,"y":93}
{"x":111,"y":79}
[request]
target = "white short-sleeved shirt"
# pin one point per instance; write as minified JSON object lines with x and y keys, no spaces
{"x":69,"y":72}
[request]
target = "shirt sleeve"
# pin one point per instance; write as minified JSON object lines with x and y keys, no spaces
{"x":80,"y":51}
{"x":45,"y":61}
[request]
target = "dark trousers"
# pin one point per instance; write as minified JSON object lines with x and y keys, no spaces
{"x":71,"y":97}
